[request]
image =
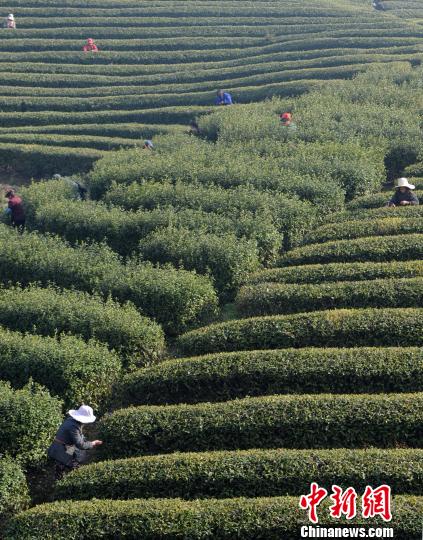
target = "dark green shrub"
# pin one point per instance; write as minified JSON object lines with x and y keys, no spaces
{"x":50,"y":311}
{"x":357,"y":271}
{"x":14,"y":494}
{"x":228,"y":259}
{"x":245,"y":473}
{"x":29,"y":419}
{"x":176,"y":298}
{"x":359,"y":229}
{"x":346,"y":327}
{"x":373,"y":248}
{"x":297,"y":421}
{"x":224,"y":376}
{"x":275,"y":298}
{"x":75,"y":371}
{"x":224,"y":519}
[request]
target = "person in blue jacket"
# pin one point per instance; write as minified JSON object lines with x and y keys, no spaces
{"x":69,"y":446}
{"x":223,"y":98}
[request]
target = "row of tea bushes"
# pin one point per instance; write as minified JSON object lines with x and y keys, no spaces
{"x":346,"y":327}
{"x":29,"y":418}
{"x":76,"y":371}
{"x":225,"y":376}
{"x":280,"y":298}
{"x":291,"y":217}
{"x":369,"y":214}
{"x":50,"y":311}
{"x":245,"y":473}
{"x":175,"y":298}
{"x":297,"y":421}
{"x":14,"y":494}
{"x":356,"y":271}
{"x":271,"y":518}
{"x":375,"y":200}
{"x":359,"y":229}
{"x":379,"y":248}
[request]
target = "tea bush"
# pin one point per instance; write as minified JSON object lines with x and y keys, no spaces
{"x":271,"y":518}
{"x":368,"y":214}
{"x":360,"y":229}
{"x":376,"y":200}
{"x":50,"y":311}
{"x":176,"y":298}
{"x":224,"y":376}
{"x":356,"y":271}
{"x":373,"y":248}
{"x":29,"y":418}
{"x":227,"y":258}
{"x":297,"y":421}
{"x":346,"y":327}
{"x":245,"y":473}
{"x":274,"y":298}
{"x":76,"y":371}
{"x":14,"y":494}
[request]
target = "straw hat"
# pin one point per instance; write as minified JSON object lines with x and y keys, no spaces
{"x":84,"y":414}
{"x":11,"y":17}
{"x":403,"y":182}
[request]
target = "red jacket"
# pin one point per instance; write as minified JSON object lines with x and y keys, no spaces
{"x":18,"y":212}
{"x":92,"y":48}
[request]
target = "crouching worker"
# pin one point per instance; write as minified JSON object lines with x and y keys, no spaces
{"x":15,"y":209}
{"x":69,"y":446}
{"x":90,"y":46}
{"x":403,"y":195}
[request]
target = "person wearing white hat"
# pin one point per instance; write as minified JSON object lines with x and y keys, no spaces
{"x":10,"y":21}
{"x":403,"y":195}
{"x":69,"y":446}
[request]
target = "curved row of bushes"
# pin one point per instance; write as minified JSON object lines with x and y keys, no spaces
{"x":49,"y":311}
{"x":332,"y":328}
{"x":29,"y":418}
{"x":14,"y":494}
{"x":78,"y":372}
{"x":356,"y":271}
{"x":379,"y":248}
{"x":368,"y":214}
{"x":299,"y":421}
{"x":225,"y":376}
{"x":359,"y":229}
{"x":176,"y":298}
{"x":281,"y":298}
{"x":245,"y":473}
{"x":223,"y":519}
{"x":375,"y":200}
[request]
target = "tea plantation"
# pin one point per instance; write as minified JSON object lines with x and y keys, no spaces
{"x":241,"y":308}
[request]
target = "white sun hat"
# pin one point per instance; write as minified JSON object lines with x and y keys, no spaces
{"x":403,"y":182}
{"x":11,"y":17}
{"x":84,"y":414}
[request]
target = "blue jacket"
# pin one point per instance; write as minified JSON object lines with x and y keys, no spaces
{"x":69,"y":435}
{"x":226,"y":99}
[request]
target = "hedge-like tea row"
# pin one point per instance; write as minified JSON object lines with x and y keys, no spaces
{"x":280,"y":298}
{"x":359,"y":229}
{"x":332,"y":328}
{"x":298,"y":421}
{"x":14,"y":494}
{"x":176,"y":298}
{"x":76,"y":371}
{"x":225,"y":257}
{"x":375,"y":200}
{"x":248,"y":473}
{"x":225,"y":376}
{"x":291,"y":217}
{"x":28,"y":422}
{"x":408,"y":212}
{"x":318,"y":273}
{"x":269,"y":518}
{"x":378,"y":248}
{"x":50,"y":311}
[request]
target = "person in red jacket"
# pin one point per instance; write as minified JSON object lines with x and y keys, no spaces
{"x":90,"y":46}
{"x":16,"y":210}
